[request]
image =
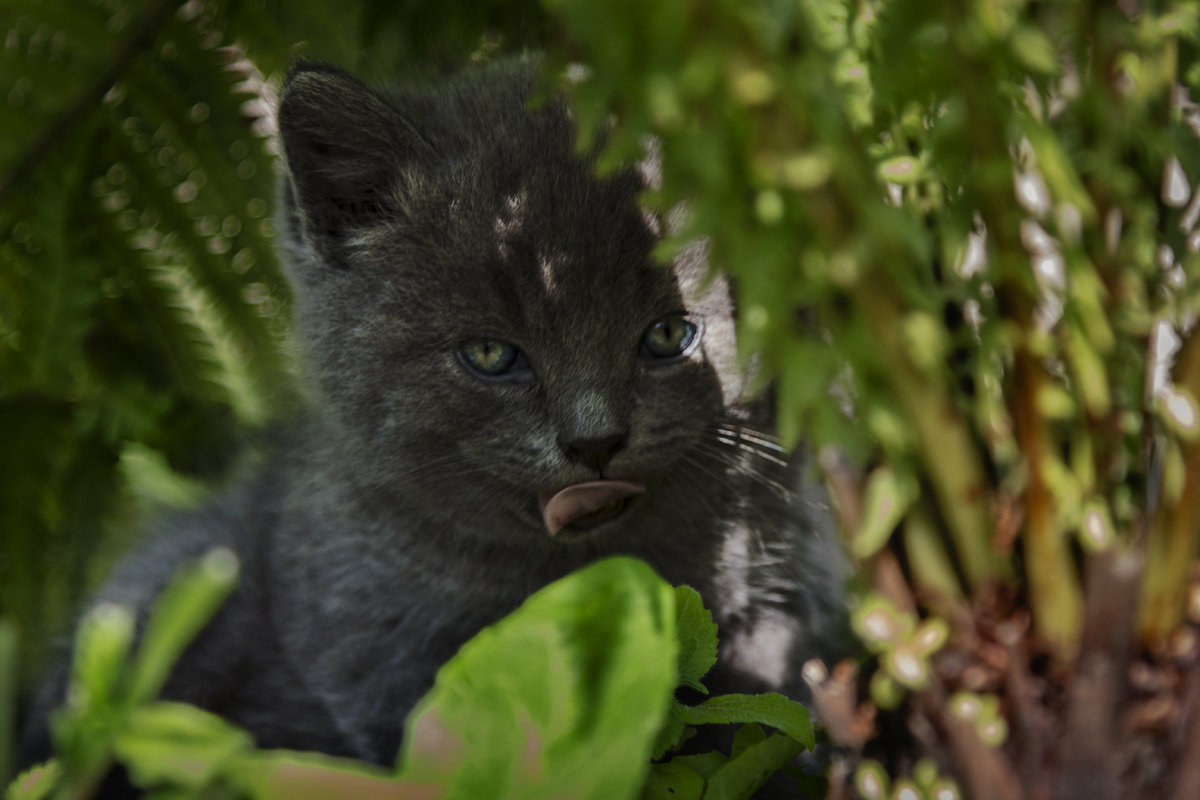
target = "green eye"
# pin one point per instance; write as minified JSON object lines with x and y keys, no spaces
{"x":489,"y":358}
{"x":670,"y":337}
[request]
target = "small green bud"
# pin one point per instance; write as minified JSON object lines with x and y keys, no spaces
{"x":769,"y":206}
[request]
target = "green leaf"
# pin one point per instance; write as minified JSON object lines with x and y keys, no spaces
{"x":62,"y":290}
{"x":703,"y":764}
{"x":309,"y":776}
{"x":179,"y":614}
{"x":177,"y":745}
{"x":745,"y":773}
{"x":1033,"y":49}
{"x":769,"y":708}
{"x":102,"y":646}
{"x":672,"y":732}
{"x":563,"y":698}
{"x":747,"y":736}
{"x":35,"y":783}
{"x":672,"y":781}
{"x":1058,"y":169}
{"x":888,"y":496}
{"x":902,"y":170}
{"x":697,"y":635}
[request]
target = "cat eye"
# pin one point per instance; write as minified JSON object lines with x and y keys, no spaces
{"x":493,"y":360}
{"x":670,"y":337}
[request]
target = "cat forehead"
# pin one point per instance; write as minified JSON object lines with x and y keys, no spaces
{"x":562,"y":242}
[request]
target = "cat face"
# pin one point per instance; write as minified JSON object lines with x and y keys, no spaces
{"x":485,"y":322}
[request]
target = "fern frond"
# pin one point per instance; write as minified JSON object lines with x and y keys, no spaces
{"x":60,"y":289}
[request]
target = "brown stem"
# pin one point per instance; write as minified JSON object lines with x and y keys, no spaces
{"x":1030,"y":720}
{"x":986,"y":772}
{"x":1186,"y":780}
{"x":1088,"y":770}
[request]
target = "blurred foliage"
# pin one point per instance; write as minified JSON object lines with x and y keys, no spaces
{"x":987,"y":211}
{"x":567,"y":697}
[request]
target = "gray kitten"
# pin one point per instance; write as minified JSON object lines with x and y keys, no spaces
{"x":504,"y":387}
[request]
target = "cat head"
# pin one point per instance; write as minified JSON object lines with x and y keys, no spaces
{"x":483,"y":319}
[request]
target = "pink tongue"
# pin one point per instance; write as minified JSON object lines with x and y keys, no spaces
{"x":574,"y":502}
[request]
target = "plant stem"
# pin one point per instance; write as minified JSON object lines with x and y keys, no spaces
{"x":934,"y":579}
{"x":8,"y":694}
{"x":1173,"y":531}
{"x":1054,"y":593}
{"x":1097,"y":687}
{"x":944,"y":444}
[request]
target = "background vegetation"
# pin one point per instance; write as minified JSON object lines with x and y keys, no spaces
{"x":987,"y":211}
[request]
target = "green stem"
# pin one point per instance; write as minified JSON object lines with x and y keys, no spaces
{"x":8,"y":696}
{"x":1173,"y":531}
{"x":934,"y":579}
{"x":945,"y":446}
{"x":1055,"y":596}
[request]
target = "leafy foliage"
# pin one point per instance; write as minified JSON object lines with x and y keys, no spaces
{"x":112,"y":273}
{"x":986,"y":215}
{"x":563,"y":698}
{"x":847,"y":158}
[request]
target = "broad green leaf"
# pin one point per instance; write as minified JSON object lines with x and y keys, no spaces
{"x":769,"y":708}
{"x":35,"y":783}
{"x":746,"y":772}
{"x":672,"y":732}
{"x":672,"y":781}
{"x":747,"y":736}
{"x":563,"y":698}
{"x":703,"y":764}
{"x":697,"y":634}
{"x":308,"y":776}
{"x":179,"y":614}
{"x":175,"y":744}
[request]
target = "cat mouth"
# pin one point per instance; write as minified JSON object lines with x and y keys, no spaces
{"x":584,"y":506}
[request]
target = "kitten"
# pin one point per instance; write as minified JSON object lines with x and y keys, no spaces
{"x":504,"y":387}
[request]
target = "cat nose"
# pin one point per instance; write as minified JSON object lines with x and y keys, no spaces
{"x":593,"y":453}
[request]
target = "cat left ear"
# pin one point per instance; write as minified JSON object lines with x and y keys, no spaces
{"x":343,"y":146}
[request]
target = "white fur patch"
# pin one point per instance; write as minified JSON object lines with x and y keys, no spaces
{"x":764,"y":649}
{"x":510,"y":220}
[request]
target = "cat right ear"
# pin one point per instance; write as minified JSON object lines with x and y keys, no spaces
{"x":343,"y":146}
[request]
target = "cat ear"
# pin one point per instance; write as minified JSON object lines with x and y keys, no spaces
{"x":344,"y":147}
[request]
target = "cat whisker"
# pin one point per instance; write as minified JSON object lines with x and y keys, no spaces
{"x":750,"y":449}
{"x":766,"y":449}
{"x":749,"y":438}
{"x":730,"y":446}
{"x":745,"y":469}
{"x":750,"y":435}
{"x":760,"y":545}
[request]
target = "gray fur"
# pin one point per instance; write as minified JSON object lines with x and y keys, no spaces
{"x":400,"y":516}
